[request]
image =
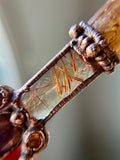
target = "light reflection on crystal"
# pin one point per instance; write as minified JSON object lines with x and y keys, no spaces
{"x":56,"y":84}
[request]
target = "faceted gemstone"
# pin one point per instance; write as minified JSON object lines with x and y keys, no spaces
{"x":107,"y":21}
{"x":56,"y":84}
{"x":10,"y":136}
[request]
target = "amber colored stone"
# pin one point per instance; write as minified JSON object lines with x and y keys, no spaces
{"x":10,"y":136}
{"x":107,"y":21}
{"x":34,"y":141}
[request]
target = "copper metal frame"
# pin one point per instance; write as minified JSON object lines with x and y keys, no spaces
{"x":93,"y":50}
{"x":97,"y":70}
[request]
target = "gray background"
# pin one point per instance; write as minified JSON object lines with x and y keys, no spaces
{"x":31,"y":33}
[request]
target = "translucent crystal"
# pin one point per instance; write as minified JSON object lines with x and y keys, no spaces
{"x":107,"y":21}
{"x":56,"y":84}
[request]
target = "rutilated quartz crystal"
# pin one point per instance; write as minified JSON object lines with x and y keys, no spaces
{"x":56,"y":84}
{"x":107,"y":21}
{"x":61,"y":79}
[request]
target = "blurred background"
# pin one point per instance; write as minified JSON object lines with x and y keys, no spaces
{"x":31,"y":33}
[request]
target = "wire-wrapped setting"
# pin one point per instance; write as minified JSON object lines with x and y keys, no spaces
{"x":92,"y":45}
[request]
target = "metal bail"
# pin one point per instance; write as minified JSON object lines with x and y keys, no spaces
{"x":92,"y":45}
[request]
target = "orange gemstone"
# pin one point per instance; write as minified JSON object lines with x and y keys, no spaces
{"x":34,"y":140}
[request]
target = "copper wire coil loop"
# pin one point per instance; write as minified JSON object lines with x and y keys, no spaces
{"x":92,"y":45}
